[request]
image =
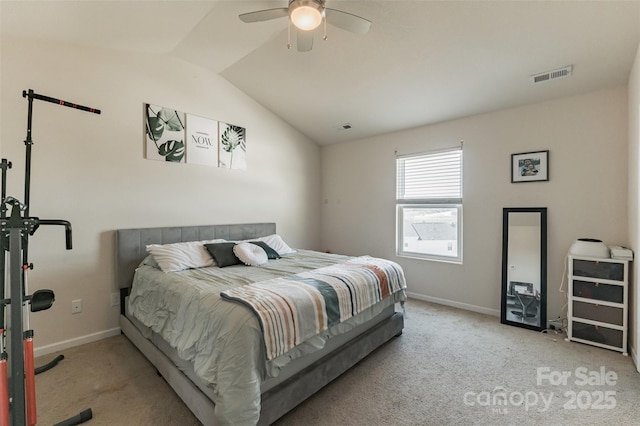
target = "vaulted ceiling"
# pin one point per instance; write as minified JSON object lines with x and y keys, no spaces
{"x":422,"y":62}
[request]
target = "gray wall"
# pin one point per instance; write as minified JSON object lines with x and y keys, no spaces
{"x":90,"y":169}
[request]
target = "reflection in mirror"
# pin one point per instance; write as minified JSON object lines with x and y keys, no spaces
{"x":524,"y":267}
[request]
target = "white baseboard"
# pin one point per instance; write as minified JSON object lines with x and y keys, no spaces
{"x":55,"y":347}
{"x":446,"y":302}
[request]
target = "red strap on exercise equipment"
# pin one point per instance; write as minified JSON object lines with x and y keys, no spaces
{"x":30,"y":382}
{"x":4,"y":392}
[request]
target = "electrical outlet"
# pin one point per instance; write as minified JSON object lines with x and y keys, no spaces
{"x":76,"y":306}
{"x":115,"y":299}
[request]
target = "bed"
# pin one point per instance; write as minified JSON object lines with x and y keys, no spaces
{"x":282,"y":380}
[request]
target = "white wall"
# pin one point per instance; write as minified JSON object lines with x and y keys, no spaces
{"x":586,"y":195}
{"x":89,"y":169}
{"x":634,"y":201}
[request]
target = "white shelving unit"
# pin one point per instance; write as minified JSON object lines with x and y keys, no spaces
{"x":598,"y":302}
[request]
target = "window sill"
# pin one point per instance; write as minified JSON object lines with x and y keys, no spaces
{"x":432,"y":259}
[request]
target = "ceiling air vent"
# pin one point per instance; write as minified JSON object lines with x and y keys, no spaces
{"x":551,"y":75}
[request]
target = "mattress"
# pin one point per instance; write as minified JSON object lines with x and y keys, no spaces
{"x":225,"y":357}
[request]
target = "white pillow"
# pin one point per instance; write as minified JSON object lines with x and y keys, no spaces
{"x":179,"y":256}
{"x":276,"y":242}
{"x":250,"y":254}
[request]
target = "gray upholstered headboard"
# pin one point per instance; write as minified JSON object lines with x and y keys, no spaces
{"x":131,"y":243}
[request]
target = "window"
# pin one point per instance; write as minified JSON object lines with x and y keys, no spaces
{"x":429,"y":205}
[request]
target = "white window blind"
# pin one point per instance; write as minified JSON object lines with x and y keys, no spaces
{"x":429,"y":205}
{"x":434,"y":177}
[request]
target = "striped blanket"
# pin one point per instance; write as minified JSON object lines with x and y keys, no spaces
{"x":294,"y":308}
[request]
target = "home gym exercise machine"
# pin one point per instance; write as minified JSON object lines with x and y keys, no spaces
{"x":17,"y":390}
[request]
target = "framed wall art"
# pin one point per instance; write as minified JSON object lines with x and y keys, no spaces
{"x":202,"y":141}
{"x":164,"y":134}
{"x":232,"y":146}
{"x":178,"y":137}
{"x":530,"y":166}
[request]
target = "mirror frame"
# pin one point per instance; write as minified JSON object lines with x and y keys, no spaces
{"x":543,"y":266}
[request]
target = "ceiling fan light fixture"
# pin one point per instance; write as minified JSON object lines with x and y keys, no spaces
{"x":306,"y":14}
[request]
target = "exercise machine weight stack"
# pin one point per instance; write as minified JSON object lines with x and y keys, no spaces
{"x":17,"y":391}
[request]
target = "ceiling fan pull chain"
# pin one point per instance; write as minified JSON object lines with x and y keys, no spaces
{"x":324,"y":18}
{"x":289,"y":35}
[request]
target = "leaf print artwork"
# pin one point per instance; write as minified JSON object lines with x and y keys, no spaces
{"x":232,"y":146}
{"x":165,"y":134}
{"x":170,"y":119}
{"x":172,"y":150}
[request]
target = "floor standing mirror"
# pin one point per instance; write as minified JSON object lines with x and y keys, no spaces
{"x":524,"y":267}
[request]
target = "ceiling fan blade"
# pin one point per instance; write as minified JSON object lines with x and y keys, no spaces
{"x":305,"y":40}
{"x":264,"y":15}
{"x":347,"y":21}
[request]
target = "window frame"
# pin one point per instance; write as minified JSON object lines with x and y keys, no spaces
{"x":428,"y":203}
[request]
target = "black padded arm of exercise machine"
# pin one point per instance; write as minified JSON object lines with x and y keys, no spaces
{"x":67,"y":228}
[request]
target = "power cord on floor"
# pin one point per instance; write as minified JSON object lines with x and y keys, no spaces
{"x":550,"y":331}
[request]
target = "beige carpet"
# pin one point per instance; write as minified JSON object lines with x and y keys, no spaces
{"x":450,"y":367}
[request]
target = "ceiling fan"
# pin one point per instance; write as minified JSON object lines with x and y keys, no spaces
{"x":306,"y":16}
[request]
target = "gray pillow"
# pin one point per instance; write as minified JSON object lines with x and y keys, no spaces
{"x":271,"y":253}
{"x":223,"y":254}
